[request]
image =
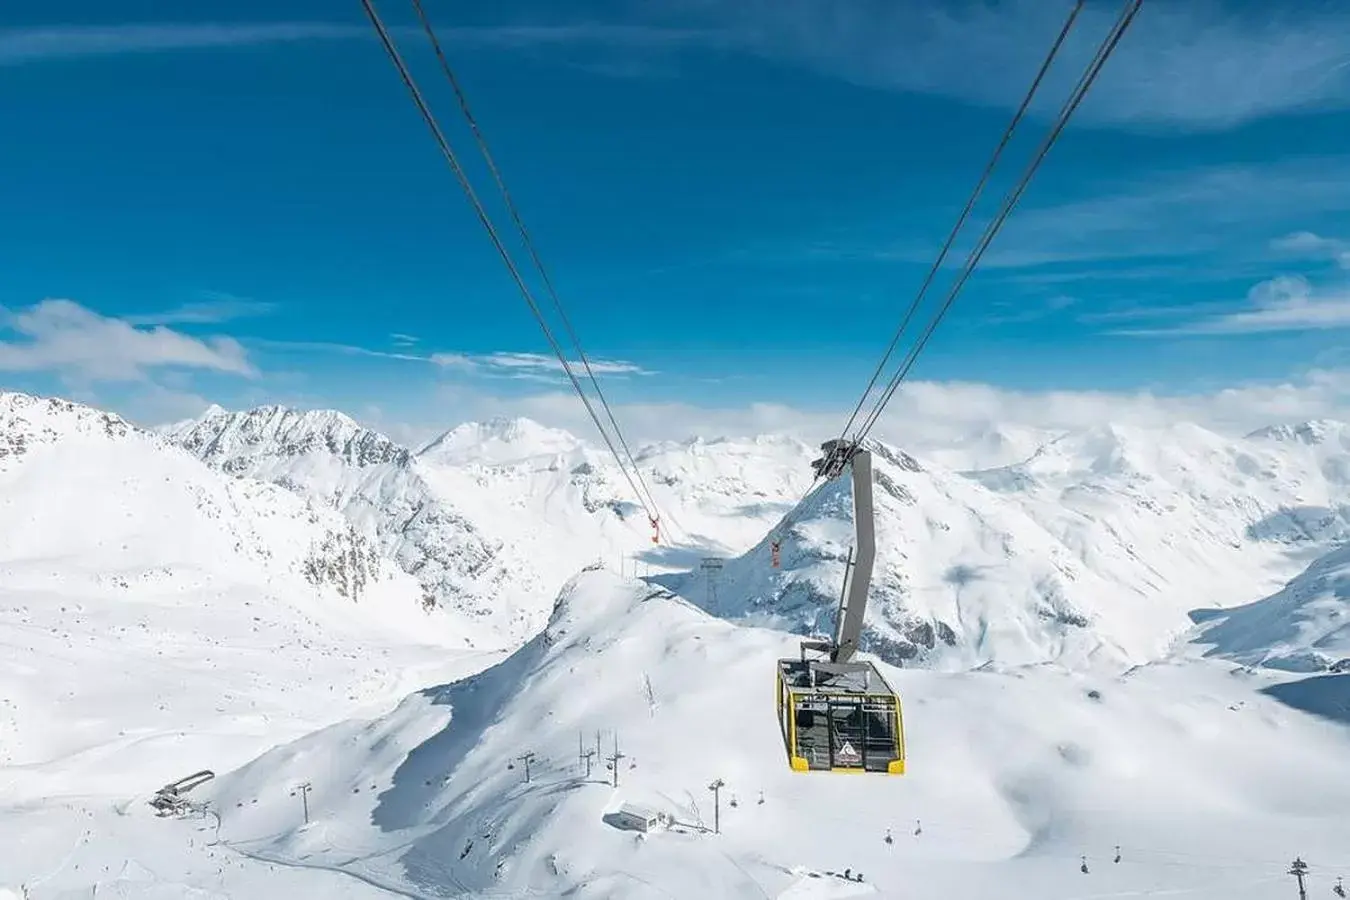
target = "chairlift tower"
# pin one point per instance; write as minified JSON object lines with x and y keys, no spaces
{"x":613,"y":759}
{"x":716,"y":788}
{"x":1299,"y":869}
{"x":303,"y":789}
{"x":712,"y":567}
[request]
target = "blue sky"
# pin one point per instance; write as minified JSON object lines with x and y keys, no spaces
{"x":735,"y":200}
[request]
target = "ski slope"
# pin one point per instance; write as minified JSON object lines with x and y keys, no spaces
{"x":1208,"y":785}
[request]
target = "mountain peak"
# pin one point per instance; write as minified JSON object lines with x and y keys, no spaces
{"x":1313,"y":432}
{"x":285,"y":431}
{"x":498,"y":440}
{"x":27,"y":419}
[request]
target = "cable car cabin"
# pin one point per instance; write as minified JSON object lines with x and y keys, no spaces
{"x":839,"y":717}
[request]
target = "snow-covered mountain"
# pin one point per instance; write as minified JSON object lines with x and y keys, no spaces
{"x":1097,"y":545}
{"x":140,"y":589}
{"x":1305,"y":627}
{"x":385,"y":491}
{"x":158,"y":617}
{"x":962,"y":577}
{"x":492,"y":518}
{"x":83,"y":493}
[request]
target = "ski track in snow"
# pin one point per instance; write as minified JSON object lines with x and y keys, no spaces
{"x":1120,"y":637}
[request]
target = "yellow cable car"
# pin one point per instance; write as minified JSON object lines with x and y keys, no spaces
{"x":837,"y":714}
{"x":839,"y":718}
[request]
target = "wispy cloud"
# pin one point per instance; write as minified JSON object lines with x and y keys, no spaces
{"x":63,"y":337}
{"x":592,"y":33}
{"x":1007,"y":312}
{"x":950,"y":421}
{"x":520,"y":365}
{"x":1285,"y":303}
{"x":19,"y":46}
{"x":1171,"y":214}
{"x":220,"y":308}
{"x":1140,"y":312}
{"x":1312,"y":246}
{"x":1204,"y":65}
{"x":30,"y":45}
{"x":1126,"y":250}
{"x":500,"y":364}
{"x":403,"y":340}
{"x":1157,"y":221}
{"x":335,"y":347}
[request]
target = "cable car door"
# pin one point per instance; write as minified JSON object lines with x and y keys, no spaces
{"x":847,"y":743}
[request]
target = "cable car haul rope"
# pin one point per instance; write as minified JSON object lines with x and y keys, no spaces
{"x":836,"y":714}
{"x":1085,"y":81}
{"x":634,"y":478}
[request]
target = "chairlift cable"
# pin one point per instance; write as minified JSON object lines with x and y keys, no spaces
{"x":777,"y":533}
{"x":526,"y":240}
{"x":1085,"y":81}
{"x":1071,"y":104}
{"x":448,"y":152}
{"x":965,"y":213}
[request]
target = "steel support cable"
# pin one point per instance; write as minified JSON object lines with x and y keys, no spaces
{"x":525,"y":237}
{"x":1010,"y":201}
{"x":789,"y":520}
{"x":486,"y":222}
{"x":965,"y":213}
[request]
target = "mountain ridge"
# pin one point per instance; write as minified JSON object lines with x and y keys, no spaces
{"x":1108,"y":527}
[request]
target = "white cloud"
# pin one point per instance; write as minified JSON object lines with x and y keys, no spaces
{"x":947,"y":419}
{"x":1283,"y":303}
{"x":1309,"y":245}
{"x":519,"y":365}
{"x":220,"y":308}
{"x":1205,"y":65}
{"x":333,"y":347}
{"x":642,"y":37}
{"x":961,"y":425}
{"x":1159,"y":221}
{"x":39,"y":44}
{"x":500,"y":364}
{"x":77,"y":343}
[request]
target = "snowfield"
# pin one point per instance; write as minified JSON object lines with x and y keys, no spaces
{"x":1207,"y":784}
{"x":1124,"y":640}
{"x":1014,"y":775}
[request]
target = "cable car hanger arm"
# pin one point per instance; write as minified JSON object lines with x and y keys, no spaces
{"x":840,"y":455}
